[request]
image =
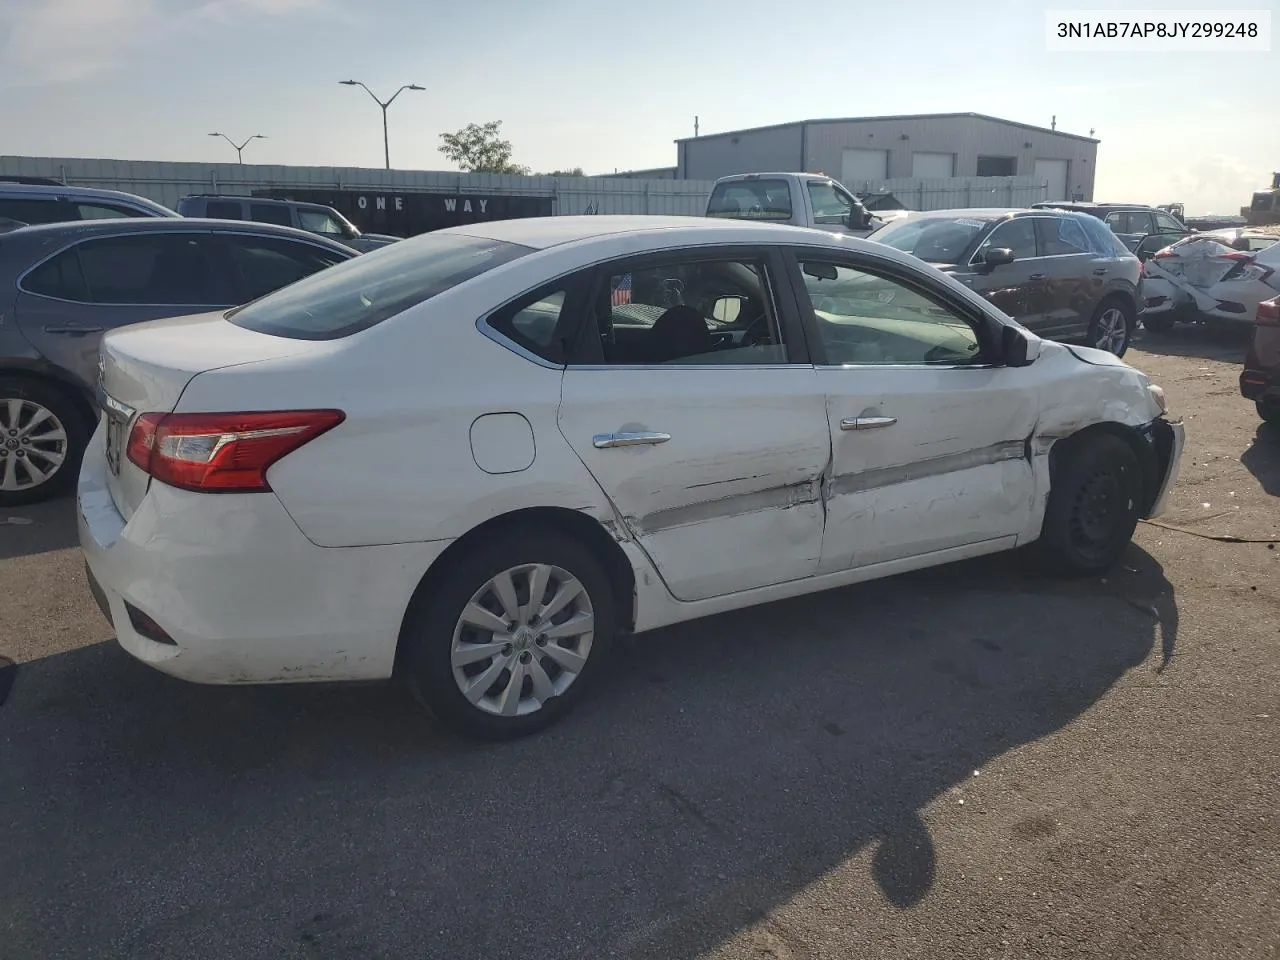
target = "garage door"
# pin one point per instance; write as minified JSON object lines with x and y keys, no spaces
{"x":932,"y":166}
{"x":864,"y":165}
{"x":1054,"y":173}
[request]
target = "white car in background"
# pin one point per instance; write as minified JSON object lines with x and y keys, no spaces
{"x":475,"y":456}
{"x":1217,"y":276}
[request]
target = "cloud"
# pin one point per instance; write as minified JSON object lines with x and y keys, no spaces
{"x":61,"y":41}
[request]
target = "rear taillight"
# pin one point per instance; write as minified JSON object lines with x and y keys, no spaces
{"x":1268,"y":313}
{"x":222,"y":452}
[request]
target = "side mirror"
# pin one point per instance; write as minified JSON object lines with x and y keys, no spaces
{"x":997,"y":256}
{"x":859,"y":218}
{"x":1019,"y":348}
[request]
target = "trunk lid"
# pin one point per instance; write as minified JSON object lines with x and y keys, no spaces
{"x":1201,"y":263}
{"x":144,"y":368}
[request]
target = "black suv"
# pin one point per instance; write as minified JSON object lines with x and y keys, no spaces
{"x":1143,"y":229}
{"x":1062,"y":275}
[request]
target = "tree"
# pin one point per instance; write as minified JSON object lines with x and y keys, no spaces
{"x":479,"y":148}
{"x":575,"y":172}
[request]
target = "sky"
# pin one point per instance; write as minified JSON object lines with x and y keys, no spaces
{"x":608,"y":86}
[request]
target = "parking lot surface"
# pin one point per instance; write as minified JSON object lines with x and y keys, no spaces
{"x":972,"y":761}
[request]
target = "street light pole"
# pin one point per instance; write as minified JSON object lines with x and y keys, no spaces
{"x":239,"y":147}
{"x":386,"y":144}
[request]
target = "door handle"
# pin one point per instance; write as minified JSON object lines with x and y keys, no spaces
{"x":1036,"y":276}
{"x":867,"y":423}
{"x":603,"y":441}
{"x":1100,"y":272}
{"x":74,"y":331}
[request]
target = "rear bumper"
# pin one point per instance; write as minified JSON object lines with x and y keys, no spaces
{"x":236,"y":590}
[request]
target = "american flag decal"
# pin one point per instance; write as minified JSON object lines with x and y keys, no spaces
{"x":621,"y":290}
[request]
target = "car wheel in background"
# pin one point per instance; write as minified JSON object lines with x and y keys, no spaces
{"x":1095,"y":495}
{"x":1268,"y":410}
{"x":1159,"y":322}
{"x":42,"y":438}
{"x":1112,"y":326}
{"x":511,"y":636}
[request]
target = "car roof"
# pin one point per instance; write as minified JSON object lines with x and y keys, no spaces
{"x":542,"y":232}
{"x":982,"y":213}
{"x":76,"y":229}
{"x":66,"y":190}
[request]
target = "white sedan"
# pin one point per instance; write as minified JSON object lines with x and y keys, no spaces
{"x":1217,"y":276}
{"x":472,"y":458}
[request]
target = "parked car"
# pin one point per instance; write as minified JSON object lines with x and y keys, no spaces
{"x":56,"y":203}
{"x":63,"y":285}
{"x":799,"y":199}
{"x":474,"y":457}
{"x":311,"y":217}
{"x":1143,"y":229}
{"x":1216,"y":277}
{"x":1260,"y":378}
{"x":1063,"y":275}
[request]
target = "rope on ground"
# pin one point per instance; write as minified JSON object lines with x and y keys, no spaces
{"x":1221,"y":538}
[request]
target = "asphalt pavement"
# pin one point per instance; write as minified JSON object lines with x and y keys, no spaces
{"x":971,"y":761}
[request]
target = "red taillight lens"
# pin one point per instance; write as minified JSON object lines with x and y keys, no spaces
{"x":222,"y":452}
{"x":1268,"y":313}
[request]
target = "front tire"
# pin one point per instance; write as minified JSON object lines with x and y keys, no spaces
{"x":1268,"y":410}
{"x":42,"y":439}
{"x":1111,"y":328}
{"x":512,"y":636}
{"x":1095,"y":497}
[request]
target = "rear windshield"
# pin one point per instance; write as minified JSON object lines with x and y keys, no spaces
{"x":751,"y":200}
{"x":933,"y":239}
{"x":362,"y":292}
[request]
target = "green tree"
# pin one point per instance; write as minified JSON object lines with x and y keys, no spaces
{"x":480,"y":148}
{"x":575,"y":172}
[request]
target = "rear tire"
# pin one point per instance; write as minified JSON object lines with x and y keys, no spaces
{"x":1159,"y":322}
{"x":1268,"y":410}
{"x":1095,"y":496}
{"x":42,"y":440}
{"x":493,"y":668}
{"x":1111,"y":328}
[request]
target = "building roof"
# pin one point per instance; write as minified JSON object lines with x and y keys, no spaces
{"x":905,"y":116}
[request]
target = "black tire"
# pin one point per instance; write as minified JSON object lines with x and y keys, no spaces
{"x":64,"y":409}
{"x":1126,"y":310}
{"x":1268,"y":410}
{"x":1095,"y":498}
{"x":1159,"y":322}
{"x":426,"y":639}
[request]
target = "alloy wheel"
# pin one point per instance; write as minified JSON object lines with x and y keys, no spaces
{"x":1113,"y":331}
{"x":522,"y":639}
{"x":33,"y":444}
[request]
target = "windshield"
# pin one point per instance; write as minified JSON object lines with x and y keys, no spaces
{"x":364,"y":291}
{"x":932,"y":239}
{"x":751,"y":200}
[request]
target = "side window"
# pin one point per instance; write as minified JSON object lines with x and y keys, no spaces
{"x":1119,"y":222}
{"x":223,"y":210}
{"x":1017,"y":234}
{"x":532,"y":322}
{"x":1102,"y":242}
{"x":1166,"y":224}
{"x":829,"y":204}
{"x":264,"y":264}
{"x":317,"y":221}
{"x":104,"y":211}
{"x":171,"y":268}
{"x":863,"y":318}
{"x":30,"y":211}
{"x":270,"y":213}
{"x":1137,"y":221}
{"x":60,"y":277}
{"x":1060,"y":237}
{"x":695,"y":311}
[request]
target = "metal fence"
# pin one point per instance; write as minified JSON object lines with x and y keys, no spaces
{"x":918,"y":194}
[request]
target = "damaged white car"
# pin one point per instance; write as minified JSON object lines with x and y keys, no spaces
{"x":1219,"y":276}
{"x":475,"y":457}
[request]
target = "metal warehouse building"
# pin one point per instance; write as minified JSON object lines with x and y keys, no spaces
{"x":877,"y":153}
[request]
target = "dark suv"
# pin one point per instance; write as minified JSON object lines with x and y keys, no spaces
{"x":1143,"y":229}
{"x":63,"y":285}
{"x":33,"y":203}
{"x":1062,"y":275}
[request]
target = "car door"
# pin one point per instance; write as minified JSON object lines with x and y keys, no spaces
{"x":1075,"y":276}
{"x":709,"y":436}
{"x":1167,"y":231}
{"x":1017,"y":288}
{"x":259,"y":264}
{"x":928,"y":430}
{"x":69,"y":300}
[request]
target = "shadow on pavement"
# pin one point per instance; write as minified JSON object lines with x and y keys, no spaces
{"x":39,"y":528}
{"x":722,"y":767}
{"x":1262,"y":458}
{"x":1208,"y":341}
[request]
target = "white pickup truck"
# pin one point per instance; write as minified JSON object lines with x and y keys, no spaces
{"x":800,"y":199}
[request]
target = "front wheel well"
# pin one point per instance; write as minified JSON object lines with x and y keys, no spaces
{"x":1142,"y":448}
{"x":588,"y":531}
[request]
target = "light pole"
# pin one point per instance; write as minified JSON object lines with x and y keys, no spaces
{"x":239,"y":146}
{"x":386,"y":146}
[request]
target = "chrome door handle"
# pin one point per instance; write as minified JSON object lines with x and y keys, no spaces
{"x":74,"y":331}
{"x":1100,"y":272}
{"x":603,"y":441}
{"x":867,"y":423}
